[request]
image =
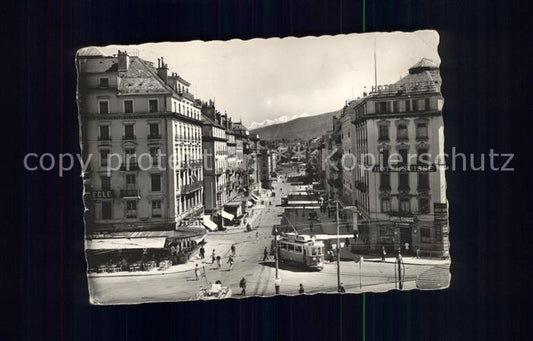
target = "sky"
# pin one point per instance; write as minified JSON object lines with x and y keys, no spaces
{"x":265,"y":81}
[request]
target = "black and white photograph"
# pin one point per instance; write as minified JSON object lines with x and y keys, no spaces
{"x":263,"y":167}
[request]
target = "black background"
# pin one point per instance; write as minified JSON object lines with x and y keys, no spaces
{"x":485,"y":69}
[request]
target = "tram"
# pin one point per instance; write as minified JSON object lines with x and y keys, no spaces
{"x":301,"y":249}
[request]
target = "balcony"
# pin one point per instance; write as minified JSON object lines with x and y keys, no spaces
{"x":129,"y":137}
{"x":186,"y":189}
{"x":154,"y":137}
{"x":131,"y":166}
{"x":129,"y":193}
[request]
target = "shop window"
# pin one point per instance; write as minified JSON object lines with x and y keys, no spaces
{"x":131,"y":209}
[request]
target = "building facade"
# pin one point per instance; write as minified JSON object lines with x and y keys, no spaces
{"x":400,"y":187}
{"x":135,"y":120}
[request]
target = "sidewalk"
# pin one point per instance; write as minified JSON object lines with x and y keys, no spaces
{"x":410,"y":260}
{"x":220,"y":250}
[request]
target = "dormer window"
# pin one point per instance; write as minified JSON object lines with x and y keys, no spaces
{"x":104,"y":82}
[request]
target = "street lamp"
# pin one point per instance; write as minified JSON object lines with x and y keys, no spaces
{"x":277,"y":280}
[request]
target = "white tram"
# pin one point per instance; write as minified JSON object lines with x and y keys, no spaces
{"x":301,"y":249}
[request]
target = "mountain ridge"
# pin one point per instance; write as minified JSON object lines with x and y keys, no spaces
{"x":304,"y":128}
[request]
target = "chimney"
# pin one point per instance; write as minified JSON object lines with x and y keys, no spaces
{"x":123,"y":61}
{"x":162,"y":70}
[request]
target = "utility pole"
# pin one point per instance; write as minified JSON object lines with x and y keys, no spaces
{"x":277,"y":280}
{"x":338,"y":249}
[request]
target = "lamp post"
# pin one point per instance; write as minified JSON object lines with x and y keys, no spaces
{"x":277,"y":280}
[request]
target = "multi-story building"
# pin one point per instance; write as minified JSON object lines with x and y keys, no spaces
{"x":241,"y":143}
{"x":135,"y":119}
{"x":402,"y":198}
{"x":215,"y":163}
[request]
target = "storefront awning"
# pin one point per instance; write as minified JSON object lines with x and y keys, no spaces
{"x":209,"y":223}
{"x":125,"y":243}
{"x":227,"y":215}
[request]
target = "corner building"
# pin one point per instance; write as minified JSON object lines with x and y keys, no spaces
{"x":402,"y":199}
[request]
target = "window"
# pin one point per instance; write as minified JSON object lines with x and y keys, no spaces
{"x":156,"y":208}
{"x":403,"y":181}
{"x":427,"y":104}
{"x":105,"y":183}
{"x":405,"y":205}
{"x":381,"y":107}
{"x":396,"y":106}
{"x":104,"y":82}
{"x":128,"y":106}
{"x":129,"y":132}
{"x":106,"y":209}
{"x":103,"y":107}
{"x":290,"y":247}
{"x":423,"y":156}
{"x":383,"y":132}
{"x":131,"y":158}
{"x":130,"y":179}
{"x":385,"y":205}
{"x":423,"y":205}
{"x":407,"y":105}
{"x":298,"y":248}
{"x":425,"y":235}
{"x":423,"y":182}
{"x":384,"y":158}
{"x":103,"y":157}
{"x":403,"y":156}
{"x":131,"y":209}
{"x":154,"y":130}
{"x":402,"y":132}
{"x":156,"y":182}
{"x":104,"y":133}
{"x":154,"y":153}
{"x":421,"y":130}
{"x":152,"y":104}
{"x":384,"y":182}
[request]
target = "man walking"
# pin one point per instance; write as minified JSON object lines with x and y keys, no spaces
{"x":265,"y":254}
{"x":341,"y":288}
{"x":301,"y":290}
{"x":257,"y":236}
{"x":383,"y":253}
{"x":230,"y":261}
{"x":197,"y":272}
{"x":202,"y":252}
{"x":213,"y":257}
{"x":218,"y":262}
{"x":233,"y":249}
{"x":242,"y":284}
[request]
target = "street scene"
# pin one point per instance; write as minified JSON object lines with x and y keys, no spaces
{"x":186,"y":201}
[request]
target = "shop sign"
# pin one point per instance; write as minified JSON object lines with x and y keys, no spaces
{"x":102,"y":194}
{"x":402,"y":219}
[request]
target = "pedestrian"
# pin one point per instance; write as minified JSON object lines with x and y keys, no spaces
{"x":213,"y":257}
{"x":242,"y":284}
{"x":265,"y":254}
{"x":230,"y":261}
{"x":233,"y":249}
{"x":417,"y":252}
{"x":383,"y":253}
{"x":202,"y":252}
{"x":197,"y":272}
{"x":257,"y":235}
{"x":218,"y":262}
{"x":341,"y":288}
{"x":311,"y":226}
{"x":406,"y":247}
{"x":301,"y":290}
